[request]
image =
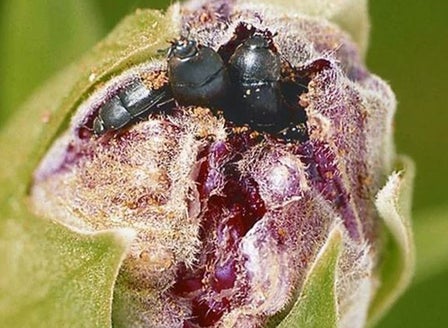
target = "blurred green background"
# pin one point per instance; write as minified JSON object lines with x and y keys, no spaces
{"x":408,"y":48}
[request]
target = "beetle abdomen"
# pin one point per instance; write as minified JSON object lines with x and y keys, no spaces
{"x":137,"y":98}
{"x":132,"y":101}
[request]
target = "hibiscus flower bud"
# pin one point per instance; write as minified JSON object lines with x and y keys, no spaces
{"x":247,"y":212}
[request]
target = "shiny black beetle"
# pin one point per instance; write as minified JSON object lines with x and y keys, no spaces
{"x":247,"y":87}
{"x":130,"y":103}
{"x":255,"y":72}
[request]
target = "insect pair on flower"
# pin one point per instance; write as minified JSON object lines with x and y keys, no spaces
{"x":245,"y":79}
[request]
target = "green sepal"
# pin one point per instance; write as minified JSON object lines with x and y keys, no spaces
{"x":397,"y":258}
{"x":51,"y":276}
{"x":316,"y":306}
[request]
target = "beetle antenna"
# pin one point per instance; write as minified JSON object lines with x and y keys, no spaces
{"x":164,"y":50}
{"x":188,"y":28}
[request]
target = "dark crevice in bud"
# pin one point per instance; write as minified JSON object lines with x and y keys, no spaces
{"x":231,"y":205}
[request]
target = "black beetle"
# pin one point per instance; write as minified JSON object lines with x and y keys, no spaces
{"x":197,"y":74}
{"x":131,"y":102}
{"x":255,"y":72}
